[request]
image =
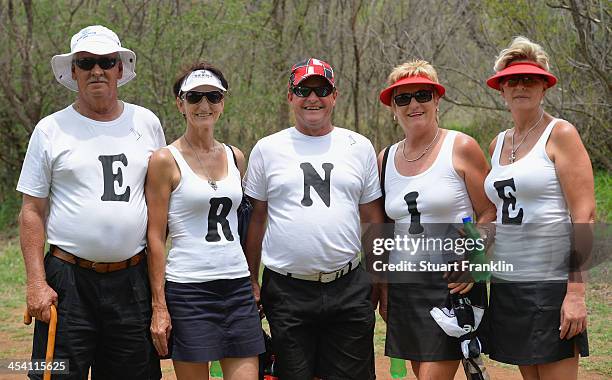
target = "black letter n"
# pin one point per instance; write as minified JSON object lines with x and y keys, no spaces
{"x":110,"y":178}
{"x":312,"y":179}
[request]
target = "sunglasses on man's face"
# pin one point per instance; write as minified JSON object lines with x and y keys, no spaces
{"x":526,"y":80}
{"x":421,"y":96}
{"x":88,"y":63}
{"x":195,"y":97}
{"x":304,"y":92}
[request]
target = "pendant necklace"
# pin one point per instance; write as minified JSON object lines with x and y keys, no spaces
{"x":423,"y":153}
{"x":513,"y":150}
{"x":210,"y":180}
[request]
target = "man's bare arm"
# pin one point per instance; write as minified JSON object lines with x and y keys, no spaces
{"x":39,"y":295}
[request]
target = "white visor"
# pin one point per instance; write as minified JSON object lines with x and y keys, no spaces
{"x":201,"y":78}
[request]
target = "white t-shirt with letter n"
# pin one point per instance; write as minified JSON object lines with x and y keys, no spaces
{"x":314,"y":186}
{"x":93,"y":173}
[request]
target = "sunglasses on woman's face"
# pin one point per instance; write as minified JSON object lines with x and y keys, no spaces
{"x":421,"y":96}
{"x":304,"y":92}
{"x":195,"y":97}
{"x":88,"y":63}
{"x":526,"y":80}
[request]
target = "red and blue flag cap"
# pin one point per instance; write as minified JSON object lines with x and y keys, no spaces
{"x":310,"y":67}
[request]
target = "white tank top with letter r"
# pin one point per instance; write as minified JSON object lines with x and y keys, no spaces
{"x":533,"y":221}
{"x":203,"y":226}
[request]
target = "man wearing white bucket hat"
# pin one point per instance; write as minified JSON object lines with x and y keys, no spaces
{"x":83,"y":187}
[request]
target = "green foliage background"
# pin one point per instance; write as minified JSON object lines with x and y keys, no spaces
{"x":256,"y":42}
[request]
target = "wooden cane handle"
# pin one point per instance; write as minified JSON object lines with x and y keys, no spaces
{"x":27,"y":319}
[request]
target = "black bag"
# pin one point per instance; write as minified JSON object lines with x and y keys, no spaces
{"x":245,"y":209}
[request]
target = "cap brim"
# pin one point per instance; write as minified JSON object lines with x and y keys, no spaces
{"x":385,"y":95}
{"x":309,"y":75}
{"x":62,"y":64}
{"x":521,"y":68}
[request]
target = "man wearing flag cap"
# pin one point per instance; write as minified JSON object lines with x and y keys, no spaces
{"x":314,"y":183}
{"x":83,"y":188}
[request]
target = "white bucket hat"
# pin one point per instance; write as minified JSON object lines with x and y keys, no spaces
{"x":95,"y":39}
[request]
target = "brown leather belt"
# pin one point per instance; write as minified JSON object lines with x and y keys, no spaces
{"x":95,"y":266}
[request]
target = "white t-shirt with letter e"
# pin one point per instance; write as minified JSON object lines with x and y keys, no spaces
{"x":93,"y":173}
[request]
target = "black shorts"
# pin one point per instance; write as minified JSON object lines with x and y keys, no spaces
{"x":412,"y":333}
{"x":214,"y":320}
{"x":318,"y":329}
{"x":523,"y":322}
{"x":103,"y":322}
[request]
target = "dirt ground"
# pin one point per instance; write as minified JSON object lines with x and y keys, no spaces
{"x":15,"y":343}
{"x":382,"y":372}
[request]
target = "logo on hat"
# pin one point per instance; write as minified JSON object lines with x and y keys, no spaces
{"x":97,"y":31}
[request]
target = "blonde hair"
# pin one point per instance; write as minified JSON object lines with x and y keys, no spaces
{"x":521,"y":49}
{"x":417,"y":67}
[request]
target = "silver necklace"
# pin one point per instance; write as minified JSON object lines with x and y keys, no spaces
{"x":212,"y":182}
{"x":513,"y":150}
{"x":423,"y":153}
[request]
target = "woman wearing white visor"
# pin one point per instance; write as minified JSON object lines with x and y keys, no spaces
{"x":193,"y":190}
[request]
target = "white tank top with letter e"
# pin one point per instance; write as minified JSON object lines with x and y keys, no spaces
{"x":426,"y":204}
{"x":203,"y":226}
{"x":533,"y":221}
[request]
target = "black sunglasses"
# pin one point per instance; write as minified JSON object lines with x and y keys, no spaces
{"x":88,"y":63}
{"x":304,"y":92}
{"x":527,"y":80}
{"x":195,"y":97}
{"x":421,"y":96}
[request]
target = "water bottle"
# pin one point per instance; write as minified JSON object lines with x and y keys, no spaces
{"x":476,"y":256}
{"x":270,"y":370}
{"x":397,"y":368}
{"x":215,"y":370}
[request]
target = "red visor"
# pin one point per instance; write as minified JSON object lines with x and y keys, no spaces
{"x":385,"y":95}
{"x":521,"y":68}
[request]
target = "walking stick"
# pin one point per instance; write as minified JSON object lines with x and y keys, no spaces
{"x":27,"y":319}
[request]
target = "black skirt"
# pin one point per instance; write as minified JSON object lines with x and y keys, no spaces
{"x":412,"y":333}
{"x":213,"y":320}
{"x":523,"y":321}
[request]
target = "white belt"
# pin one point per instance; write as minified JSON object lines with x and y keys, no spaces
{"x":323,"y":277}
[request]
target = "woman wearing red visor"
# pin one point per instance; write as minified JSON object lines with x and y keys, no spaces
{"x":542,"y":183}
{"x":432,"y":178}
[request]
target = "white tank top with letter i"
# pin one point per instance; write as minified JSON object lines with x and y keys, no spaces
{"x":423,"y":204}
{"x":203,"y":226}
{"x":533,"y":221}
